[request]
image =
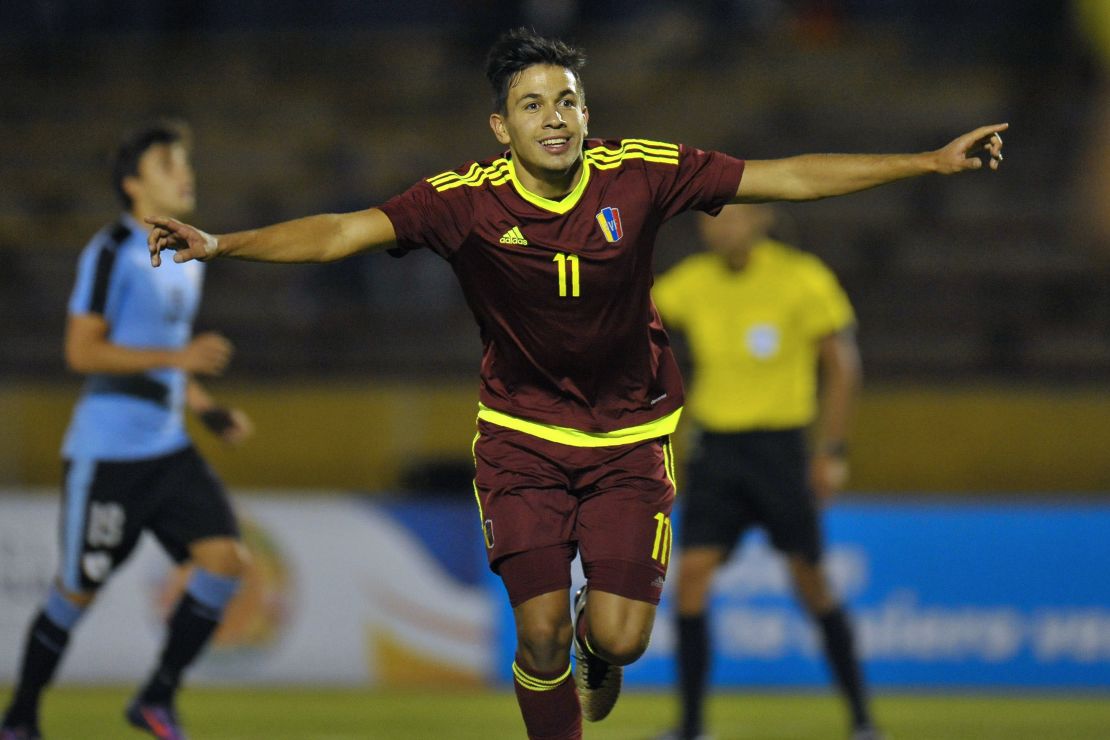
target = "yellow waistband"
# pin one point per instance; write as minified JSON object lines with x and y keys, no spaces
{"x":577,"y":438}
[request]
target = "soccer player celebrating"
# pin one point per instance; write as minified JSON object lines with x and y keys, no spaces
{"x":129,"y":465}
{"x":552,"y":244}
{"x":763,"y":321}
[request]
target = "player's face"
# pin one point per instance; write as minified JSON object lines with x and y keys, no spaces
{"x":166,"y":183}
{"x":544,"y":126}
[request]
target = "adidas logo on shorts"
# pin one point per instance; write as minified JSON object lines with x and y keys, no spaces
{"x":513,"y":236}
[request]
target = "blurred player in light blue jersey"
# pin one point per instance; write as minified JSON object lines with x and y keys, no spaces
{"x":129,"y":465}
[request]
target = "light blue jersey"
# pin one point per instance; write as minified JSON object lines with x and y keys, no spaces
{"x":130,"y":417}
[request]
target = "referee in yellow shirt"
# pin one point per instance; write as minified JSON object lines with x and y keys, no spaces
{"x":763,"y":321}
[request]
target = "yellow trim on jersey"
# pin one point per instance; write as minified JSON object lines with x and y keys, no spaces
{"x":651,"y":151}
{"x":478,"y":498}
{"x":658,"y":148}
{"x":570,"y":200}
{"x":538,"y":684}
{"x":497,"y":172}
{"x":668,"y":464}
{"x":452,"y":175}
{"x":577,"y":438}
{"x":503,"y":170}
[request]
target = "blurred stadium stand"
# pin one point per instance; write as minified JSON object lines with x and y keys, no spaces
{"x":977,"y":277}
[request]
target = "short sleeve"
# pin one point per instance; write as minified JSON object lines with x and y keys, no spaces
{"x":97,"y":281}
{"x":424,"y":217}
{"x":702,"y":181}
{"x":828,"y":309}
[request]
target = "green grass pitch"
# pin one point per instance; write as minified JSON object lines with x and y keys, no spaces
{"x":75,"y":713}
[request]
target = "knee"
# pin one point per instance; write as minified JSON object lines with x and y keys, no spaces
{"x":618,"y":629}
{"x":620,"y":647}
{"x":692,"y":592}
{"x":697,"y":567}
{"x":224,"y":557}
{"x":234,"y":560}
{"x":545,"y":643}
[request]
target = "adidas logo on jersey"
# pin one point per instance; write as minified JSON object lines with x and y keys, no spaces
{"x":513,"y":236}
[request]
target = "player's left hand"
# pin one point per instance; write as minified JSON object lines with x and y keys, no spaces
{"x":970,"y":151}
{"x":232,"y":425}
{"x":241,"y":429}
{"x":828,"y":474}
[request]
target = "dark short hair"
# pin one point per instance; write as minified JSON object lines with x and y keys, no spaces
{"x":521,"y":48}
{"x":125,"y":159}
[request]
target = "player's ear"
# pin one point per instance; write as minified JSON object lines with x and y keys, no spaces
{"x":585,"y":121}
{"x":131,"y":186}
{"x":500,"y":131}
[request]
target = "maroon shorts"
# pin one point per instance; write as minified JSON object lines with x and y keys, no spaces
{"x":541,"y":502}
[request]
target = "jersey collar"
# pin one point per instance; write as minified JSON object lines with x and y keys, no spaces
{"x":133,"y":223}
{"x":555,"y":206}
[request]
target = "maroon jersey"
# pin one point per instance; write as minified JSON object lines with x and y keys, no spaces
{"x":561,"y":289}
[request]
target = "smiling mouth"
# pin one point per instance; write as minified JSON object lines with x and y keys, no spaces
{"x":556,"y":144}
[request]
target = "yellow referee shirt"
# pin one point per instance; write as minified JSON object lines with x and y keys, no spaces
{"x":753,"y":334}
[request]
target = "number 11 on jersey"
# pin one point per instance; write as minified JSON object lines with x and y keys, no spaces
{"x":661,"y":549}
{"x":563,"y":260}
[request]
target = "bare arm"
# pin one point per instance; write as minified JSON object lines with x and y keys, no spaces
{"x":838,"y":355}
{"x":88,"y":349}
{"x":197,"y":397}
{"x":322,"y":238}
{"x":813,"y":176}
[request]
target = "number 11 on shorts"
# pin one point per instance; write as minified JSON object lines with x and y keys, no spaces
{"x":661,"y":550}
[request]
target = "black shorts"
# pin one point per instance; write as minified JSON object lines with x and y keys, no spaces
{"x":758,"y":478}
{"x":107,"y":505}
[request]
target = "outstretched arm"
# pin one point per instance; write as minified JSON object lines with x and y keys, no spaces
{"x":323,"y":238}
{"x":813,"y":176}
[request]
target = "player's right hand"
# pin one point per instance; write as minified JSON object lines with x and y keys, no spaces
{"x":189,"y":242}
{"x":827,"y":476}
{"x":207,"y":354}
{"x":963,"y":153}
